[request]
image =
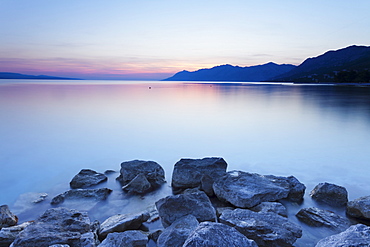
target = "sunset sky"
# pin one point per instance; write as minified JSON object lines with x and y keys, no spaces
{"x":153,"y":39}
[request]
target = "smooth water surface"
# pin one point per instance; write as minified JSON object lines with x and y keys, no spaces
{"x":49,"y":131}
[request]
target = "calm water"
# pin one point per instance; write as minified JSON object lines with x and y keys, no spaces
{"x":50,"y":131}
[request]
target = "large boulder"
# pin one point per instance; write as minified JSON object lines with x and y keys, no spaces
{"x":177,"y":232}
{"x":87,"y":178}
{"x":331,"y":194}
{"x":291,"y":183}
{"x":7,"y":218}
{"x":121,"y":223}
{"x":172,"y":208}
{"x":246,"y":190}
{"x":266,"y":229}
{"x":152,"y":171}
{"x":318,"y":218}
{"x":359,"y":208}
{"x":356,"y":235}
{"x":212,"y":234}
{"x":58,"y":226}
{"x":97,"y":194}
{"x":138,"y":185}
{"x":271,"y":207}
{"x":9,"y":234}
{"x":131,"y":238}
{"x":191,"y":173}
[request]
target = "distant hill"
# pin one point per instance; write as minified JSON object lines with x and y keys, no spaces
{"x":234,"y":73}
{"x":7,"y":75}
{"x":351,"y":64}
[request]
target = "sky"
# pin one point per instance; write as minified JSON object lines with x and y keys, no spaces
{"x":154,"y":39}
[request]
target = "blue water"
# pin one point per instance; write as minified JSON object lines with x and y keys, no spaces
{"x":50,"y":130}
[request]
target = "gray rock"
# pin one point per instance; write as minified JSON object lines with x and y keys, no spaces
{"x":291,"y":183}
{"x":266,"y":229}
{"x":9,"y":234}
{"x":7,"y":218}
{"x":271,"y":207}
{"x":318,"y":217}
{"x":97,"y":194}
{"x":172,"y":208}
{"x":331,"y":194}
{"x":59,"y":245}
{"x":56,"y":226}
{"x":154,"y":235}
{"x":215,"y":235}
{"x":87,"y":178}
{"x":138,"y":185}
{"x":355,"y":236}
{"x":177,"y":232}
{"x":121,"y":223}
{"x":125,"y":239}
{"x":188,"y":173}
{"x":152,"y":171}
{"x":246,"y":190}
{"x":359,"y":208}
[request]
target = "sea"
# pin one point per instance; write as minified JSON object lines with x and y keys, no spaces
{"x":50,"y":130}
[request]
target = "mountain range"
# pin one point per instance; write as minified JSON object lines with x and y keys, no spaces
{"x":7,"y":75}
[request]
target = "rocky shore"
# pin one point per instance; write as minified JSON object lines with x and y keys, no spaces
{"x":209,"y":206}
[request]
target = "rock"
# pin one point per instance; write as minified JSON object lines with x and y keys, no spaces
{"x":177,"y":232}
{"x":271,"y":207}
{"x":359,"y":208}
{"x":318,"y":217}
{"x":7,"y":218}
{"x":188,"y":173}
{"x":97,"y":194}
{"x":266,"y":229}
{"x":356,"y":235}
{"x":138,"y":185}
{"x":121,"y":223}
{"x":87,"y":178}
{"x":246,"y":190}
{"x":125,"y":239}
{"x":155,"y":235}
{"x":56,"y":226}
{"x":59,"y":245}
{"x":291,"y":183}
{"x":108,"y":172}
{"x":152,"y":171}
{"x":206,"y":185}
{"x":331,"y":194}
{"x":216,"y":234}
{"x":172,"y":208}
{"x":9,"y":234}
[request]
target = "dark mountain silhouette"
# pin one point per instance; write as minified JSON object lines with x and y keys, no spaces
{"x":234,"y":73}
{"x":7,"y":75}
{"x":350,"y":64}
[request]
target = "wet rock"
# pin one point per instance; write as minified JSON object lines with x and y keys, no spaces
{"x":266,"y":229}
{"x":291,"y":183}
{"x":271,"y":207}
{"x":7,"y":218}
{"x":246,"y":190}
{"x":155,"y":235}
{"x":152,"y":171}
{"x":359,"y":208}
{"x":59,"y":245}
{"x":87,"y":178}
{"x":97,"y":194}
{"x":177,"y":232}
{"x":56,"y":226}
{"x":356,"y":235}
{"x":318,"y":218}
{"x":172,"y":208}
{"x":217,"y":234}
{"x":121,"y":223}
{"x":127,"y":239}
{"x":189,"y":173}
{"x":138,"y":185}
{"x":331,"y":194}
{"x":9,"y":234}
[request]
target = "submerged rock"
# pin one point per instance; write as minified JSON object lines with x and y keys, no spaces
{"x":97,"y":194}
{"x":246,"y":190}
{"x":357,"y":235}
{"x":87,"y":178}
{"x":266,"y":229}
{"x":189,"y":173}
{"x":331,"y":194}
{"x":359,"y":208}
{"x":9,"y":234}
{"x":216,"y":234}
{"x":127,"y":239}
{"x":172,"y":208}
{"x":7,"y":218}
{"x":138,"y":185}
